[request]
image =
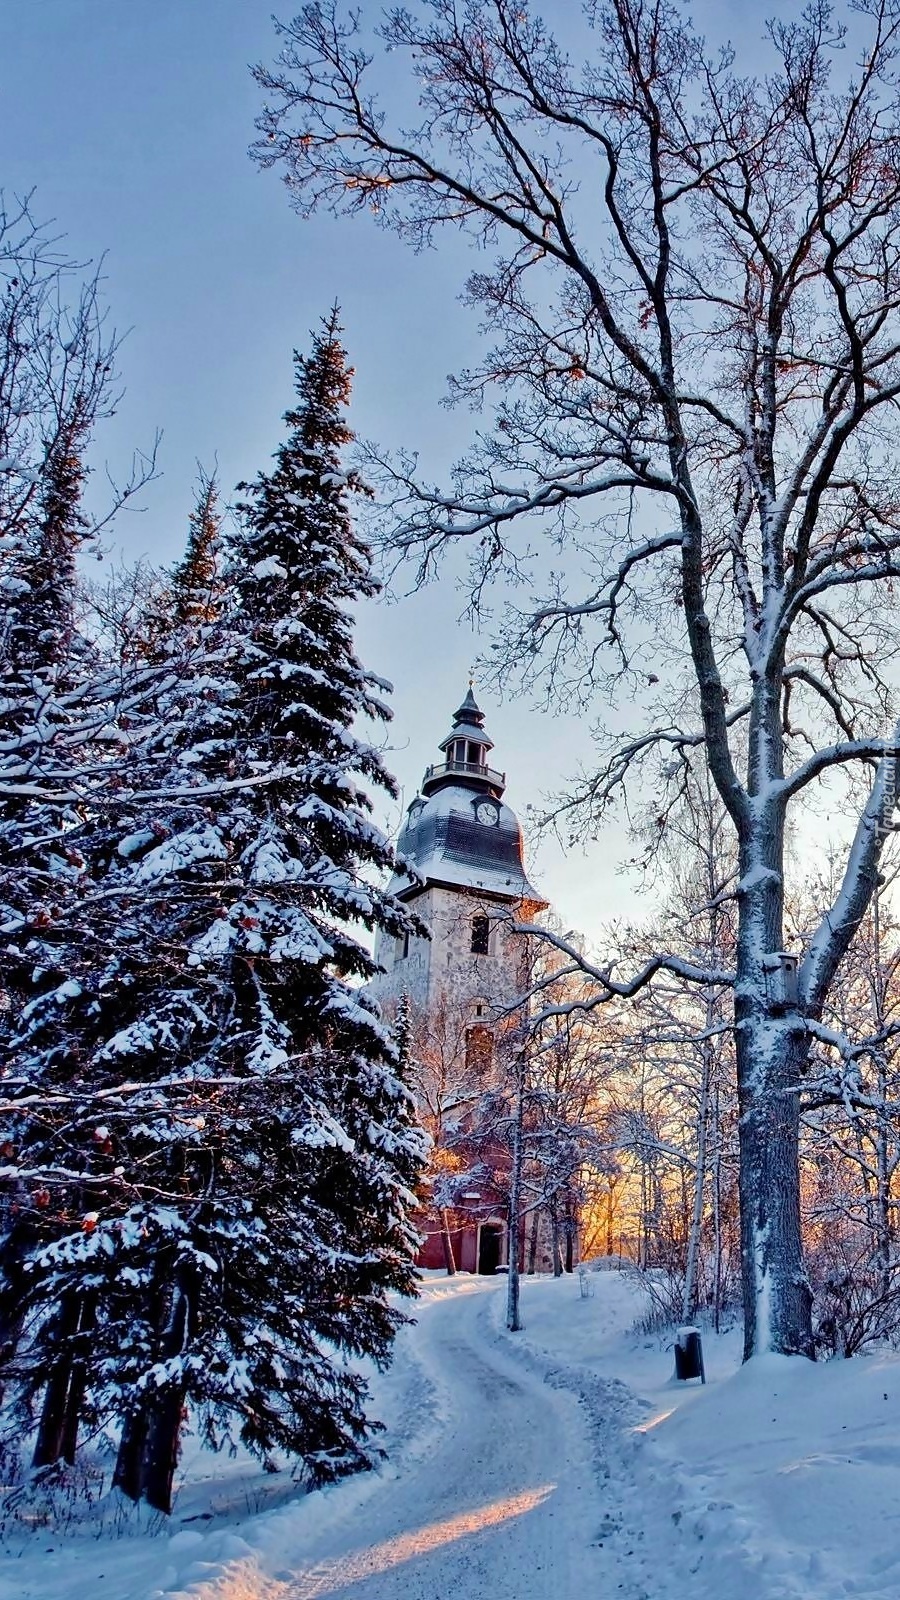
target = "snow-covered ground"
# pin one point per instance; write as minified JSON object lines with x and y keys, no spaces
{"x":779,"y":1479}
{"x":563,"y":1461}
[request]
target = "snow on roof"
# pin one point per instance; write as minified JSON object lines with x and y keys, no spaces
{"x":470,"y":731}
{"x":466,"y":840}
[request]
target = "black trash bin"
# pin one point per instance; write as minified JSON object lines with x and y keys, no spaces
{"x":689,"y":1354}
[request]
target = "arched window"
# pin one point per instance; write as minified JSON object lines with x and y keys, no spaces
{"x":481,"y":935}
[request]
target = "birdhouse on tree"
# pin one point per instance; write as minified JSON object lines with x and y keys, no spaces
{"x":781,"y":974}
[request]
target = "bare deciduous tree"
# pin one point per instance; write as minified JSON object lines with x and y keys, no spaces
{"x":694,"y":375}
{"x":57,"y":383}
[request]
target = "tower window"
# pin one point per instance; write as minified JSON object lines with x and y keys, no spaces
{"x":481,"y":936}
{"x":402,"y":947}
{"x":479,"y":1049}
{"x":474,"y":755}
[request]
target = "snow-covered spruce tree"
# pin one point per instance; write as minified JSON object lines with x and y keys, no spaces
{"x":254,"y":1165}
{"x":176,"y":606}
{"x":39,"y":861}
{"x":59,"y":1043}
{"x":160,"y":642}
{"x":195,"y":585}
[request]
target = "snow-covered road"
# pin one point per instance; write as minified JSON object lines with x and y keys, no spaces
{"x":497,"y":1499}
{"x":511,"y":1476}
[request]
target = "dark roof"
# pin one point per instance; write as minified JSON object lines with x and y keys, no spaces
{"x":469,"y":711}
{"x":445,"y":842}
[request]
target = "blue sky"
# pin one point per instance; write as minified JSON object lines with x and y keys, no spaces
{"x":131,"y":120}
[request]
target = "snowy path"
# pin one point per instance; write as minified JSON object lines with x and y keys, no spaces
{"x":510,"y":1477}
{"x":498,"y":1502}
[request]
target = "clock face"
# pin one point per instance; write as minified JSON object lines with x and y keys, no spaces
{"x":487,"y":813}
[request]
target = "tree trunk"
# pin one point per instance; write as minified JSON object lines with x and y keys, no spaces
{"x":515,"y":1202}
{"x":160,"y":1456}
{"x":884,"y":1251}
{"x":127,"y":1475}
{"x":772,"y":1051}
{"x":533,"y":1239}
{"x":12,"y":1314}
{"x":777,"y":1298}
{"x":148,"y":1450}
{"x":884,"y":1242}
{"x":78,"y":1378}
{"x":689,"y":1299}
{"x":49,"y":1443}
{"x":717,"y":1219}
{"x":555,"y":1251}
{"x":447,"y":1243}
{"x":610,"y":1209}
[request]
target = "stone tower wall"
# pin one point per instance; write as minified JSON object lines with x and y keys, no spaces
{"x":444,"y":968}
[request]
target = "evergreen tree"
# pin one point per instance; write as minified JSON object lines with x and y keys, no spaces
{"x":179,"y":604}
{"x":251,"y":1175}
{"x":58,"y":748}
{"x":195,"y":588}
{"x":45,"y":664}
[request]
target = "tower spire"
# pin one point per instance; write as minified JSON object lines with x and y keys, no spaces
{"x":459,"y":838}
{"x":465,"y":751}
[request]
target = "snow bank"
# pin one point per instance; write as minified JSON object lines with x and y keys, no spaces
{"x":231,"y":1521}
{"x":784,"y":1471}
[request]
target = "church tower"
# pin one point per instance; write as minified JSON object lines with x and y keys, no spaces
{"x":465,"y":845}
{"x":467,"y":884}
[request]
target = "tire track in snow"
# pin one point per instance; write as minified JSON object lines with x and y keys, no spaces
{"x":510,"y":1478}
{"x":503,"y":1505}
